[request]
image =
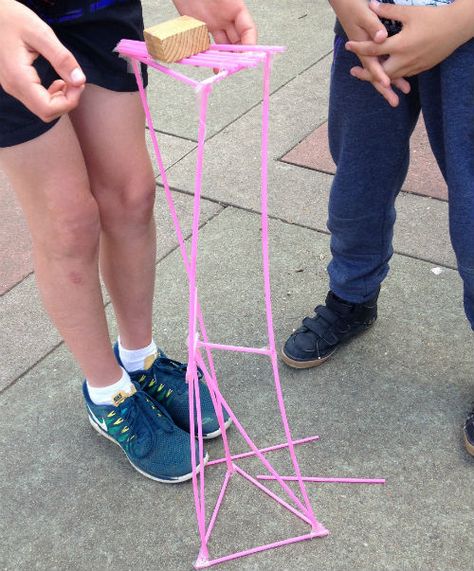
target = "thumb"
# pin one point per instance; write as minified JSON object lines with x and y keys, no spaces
{"x":46,"y":43}
{"x":388,"y":11}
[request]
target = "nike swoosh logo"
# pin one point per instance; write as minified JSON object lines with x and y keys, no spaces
{"x":101,"y":423}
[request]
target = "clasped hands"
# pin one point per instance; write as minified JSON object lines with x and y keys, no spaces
{"x":428,"y":36}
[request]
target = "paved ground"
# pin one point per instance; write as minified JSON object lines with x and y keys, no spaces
{"x":391,"y":404}
{"x":424,"y":176}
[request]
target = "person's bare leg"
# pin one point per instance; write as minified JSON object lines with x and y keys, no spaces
{"x":50,"y":179}
{"x":111,"y":130}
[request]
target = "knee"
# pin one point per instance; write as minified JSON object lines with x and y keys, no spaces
{"x":127,"y":204}
{"x":72,"y":233}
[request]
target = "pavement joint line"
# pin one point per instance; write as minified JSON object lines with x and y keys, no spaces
{"x":280,"y":159}
{"x":32,"y":366}
{"x":225,"y":205}
{"x":303,"y":71}
{"x":437,"y":198}
{"x":322,"y":171}
{"x":182,"y":137}
{"x":271,"y":95}
{"x":17,"y":283}
{"x":158,"y":176}
{"x":107,"y":304}
{"x":307,"y":168}
{"x":243,"y":114}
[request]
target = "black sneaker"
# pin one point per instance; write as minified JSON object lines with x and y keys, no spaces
{"x":319,"y":336}
{"x":469,"y":433}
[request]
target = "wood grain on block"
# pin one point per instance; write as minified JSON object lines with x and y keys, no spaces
{"x":176,"y":39}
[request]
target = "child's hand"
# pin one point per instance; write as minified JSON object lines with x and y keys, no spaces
{"x":24,"y":36}
{"x":361,"y":24}
{"x":229,"y":21}
{"x":429,"y":35}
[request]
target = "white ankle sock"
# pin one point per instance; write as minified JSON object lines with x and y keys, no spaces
{"x":137,"y":359}
{"x":103,"y":395}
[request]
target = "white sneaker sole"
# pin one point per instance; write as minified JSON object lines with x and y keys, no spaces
{"x":218,"y":432}
{"x":178,"y":480}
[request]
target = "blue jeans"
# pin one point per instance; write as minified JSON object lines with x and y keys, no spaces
{"x":369,"y":142}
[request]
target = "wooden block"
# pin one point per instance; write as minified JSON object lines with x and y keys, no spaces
{"x":175,"y":39}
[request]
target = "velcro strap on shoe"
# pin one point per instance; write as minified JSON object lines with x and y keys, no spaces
{"x":330,"y":337}
{"x":321,"y":329}
{"x":327,"y":314}
{"x":322,"y":324}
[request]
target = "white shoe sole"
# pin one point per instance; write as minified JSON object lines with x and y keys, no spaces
{"x":218,"y":432}
{"x":178,"y":480}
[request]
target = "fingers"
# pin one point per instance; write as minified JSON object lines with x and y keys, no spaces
{"x":360,"y":73}
{"x":376,"y":29}
{"x":57,"y":86}
{"x":43,"y":40}
{"x":232,"y":34}
{"x":241,"y":31}
{"x":370,"y":48}
{"x":387,"y":92}
{"x":376,"y":70}
{"x":220,"y":37}
{"x":380,"y":35}
{"x":246,"y":28}
{"x":400,"y":67}
{"x":388,"y":11}
{"x":49,"y":104}
{"x":402,"y":84}
{"x":397,"y":63}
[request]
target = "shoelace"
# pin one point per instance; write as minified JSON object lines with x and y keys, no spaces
{"x":141,"y":403}
{"x":173,"y":369}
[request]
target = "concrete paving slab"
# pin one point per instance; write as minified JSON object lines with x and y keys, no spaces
{"x":300,"y":195}
{"x":26,"y":334}
{"x":15,"y":243}
{"x":424,"y":176}
{"x":302,"y":25}
{"x":172,"y":149}
{"x":234,"y":176}
{"x":389,"y":405}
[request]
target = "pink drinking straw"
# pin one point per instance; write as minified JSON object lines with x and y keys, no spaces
{"x":326,"y":480}
{"x":229,"y":60}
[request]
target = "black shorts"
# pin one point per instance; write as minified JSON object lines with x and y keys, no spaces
{"x":91,"y":31}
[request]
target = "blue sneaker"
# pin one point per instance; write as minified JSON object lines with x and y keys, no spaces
{"x":165,"y":382}
{"x":153,"y":444}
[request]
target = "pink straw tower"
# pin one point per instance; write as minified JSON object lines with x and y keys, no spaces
{"x":228,"y":60}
